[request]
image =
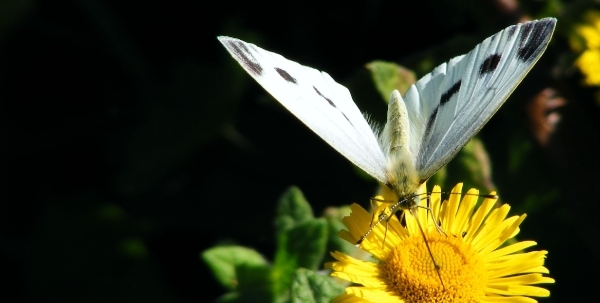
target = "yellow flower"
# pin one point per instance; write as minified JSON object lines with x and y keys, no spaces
{"x":589,"y":60}
{"x":472,"y":264}
{"x":589,"y":64}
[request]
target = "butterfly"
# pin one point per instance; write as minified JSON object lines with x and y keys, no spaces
{"x":426,"y":127}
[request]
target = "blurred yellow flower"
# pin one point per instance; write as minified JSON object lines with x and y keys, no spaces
{"x":588,"y":39}
{"x":472,"y":265}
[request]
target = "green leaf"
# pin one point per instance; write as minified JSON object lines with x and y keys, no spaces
{"x":308,"y":287}
{"x":255,"y":284}
{"x":229,"y":262}
{"x":388,"y":76}
{"x":292,"y":210}
{"x":302,"y":246}
{"x":307,"y":242}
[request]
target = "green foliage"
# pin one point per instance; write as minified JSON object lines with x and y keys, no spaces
{"x":226,"y":263}
{"x":302,"y":240}
{"x":292,"y":209}
{"x":311,"y":287}
{"x":388,"y":76}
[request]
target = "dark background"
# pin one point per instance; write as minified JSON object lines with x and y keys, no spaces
{"x":130,"y":141}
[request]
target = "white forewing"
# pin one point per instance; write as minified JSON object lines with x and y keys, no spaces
{"x":450,"y":105}
{"x":325,"y":106}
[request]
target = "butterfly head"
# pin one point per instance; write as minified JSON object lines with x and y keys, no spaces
{"x":401,"y":196}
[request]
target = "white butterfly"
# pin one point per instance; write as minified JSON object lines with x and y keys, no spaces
{"x":427,"y":127}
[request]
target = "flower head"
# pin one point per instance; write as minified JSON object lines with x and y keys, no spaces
{"x":468,"y":255}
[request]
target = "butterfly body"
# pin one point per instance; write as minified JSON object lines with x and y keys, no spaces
{"x":426,"y":127}
{"x":401,"y":174}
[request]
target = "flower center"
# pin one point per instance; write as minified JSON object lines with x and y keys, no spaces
{"x":411,"y":273}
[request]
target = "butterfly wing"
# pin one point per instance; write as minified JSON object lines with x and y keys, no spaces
{"x":448,"y":106}
{"x":325,"y":106}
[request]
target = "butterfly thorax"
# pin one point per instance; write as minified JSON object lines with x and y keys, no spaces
{"x":403,"y":181}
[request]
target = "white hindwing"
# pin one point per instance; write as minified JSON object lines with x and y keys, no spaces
{"x":448,"y":106}
{"x":325,"y":106}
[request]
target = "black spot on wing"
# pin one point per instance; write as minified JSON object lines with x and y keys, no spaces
{"x":286,"y":76}
{"x":328,"y":100}
{"x":242,"y":52}
{"x":332,"y":104}
{"x":430,"y":123}
{"x":533,"y":37}
{"x":449,"y":93}
{"x":443,"y":100}
{"x":489,"y":64}
{"x":242,"y":45}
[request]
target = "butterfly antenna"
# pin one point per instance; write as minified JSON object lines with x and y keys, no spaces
{"x":384,"y":215}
